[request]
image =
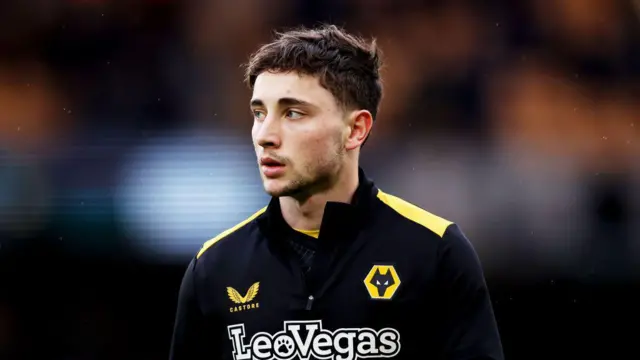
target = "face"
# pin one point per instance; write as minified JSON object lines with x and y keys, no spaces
{"x":300,"y":134}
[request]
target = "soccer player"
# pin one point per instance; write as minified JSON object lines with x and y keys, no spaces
{"x":332,"y":267}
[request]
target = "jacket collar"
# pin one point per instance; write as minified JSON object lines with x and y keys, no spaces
{"x":341,"y":221}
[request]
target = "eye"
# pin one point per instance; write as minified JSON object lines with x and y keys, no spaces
{"x":377,"y":282}
{"x":386,"y":282}
{"x":258,"y":115}
{"x":292,"y":114}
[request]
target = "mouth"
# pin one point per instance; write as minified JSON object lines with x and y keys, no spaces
{"x":271,"y":167}
{"x":267,"y":161}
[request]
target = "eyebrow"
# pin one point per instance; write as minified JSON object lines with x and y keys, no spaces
{"x":284,"y":102}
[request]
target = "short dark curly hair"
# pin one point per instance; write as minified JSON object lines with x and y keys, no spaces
{"x":346,"y":65}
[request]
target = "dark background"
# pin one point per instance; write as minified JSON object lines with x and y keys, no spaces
{"x":125,"y":144}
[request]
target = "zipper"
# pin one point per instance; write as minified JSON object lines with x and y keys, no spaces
{"x":305,"y":286}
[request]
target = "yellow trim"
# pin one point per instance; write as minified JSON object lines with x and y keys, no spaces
{"x":410,"y":211}
{"x":312,"y":233}
{"x":227,"y":232}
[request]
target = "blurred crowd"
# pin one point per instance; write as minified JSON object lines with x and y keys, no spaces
{"x":125,"y":130}
{"x":516,"y":119}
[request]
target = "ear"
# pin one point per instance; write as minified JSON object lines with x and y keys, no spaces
{"x":360,"y":124}
{"x":378,"y":272}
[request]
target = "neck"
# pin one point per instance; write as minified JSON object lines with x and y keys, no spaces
{"x":307,"y":214}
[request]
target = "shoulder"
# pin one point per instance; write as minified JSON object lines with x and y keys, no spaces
{"x":413,"y":214}
{"x":454,"y":252}
{"x":239,"y":230}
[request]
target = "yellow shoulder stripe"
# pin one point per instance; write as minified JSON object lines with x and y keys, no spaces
{"x":209,"y":243}
{"x":410,"y":211}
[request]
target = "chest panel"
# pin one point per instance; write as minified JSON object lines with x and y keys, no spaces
{"x":374,"y":300}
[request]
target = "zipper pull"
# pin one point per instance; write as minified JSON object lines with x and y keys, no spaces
{"x":309,"y":302}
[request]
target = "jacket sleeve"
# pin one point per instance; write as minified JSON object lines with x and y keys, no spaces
{"x":469,"y":330}
{"x":188,"y":333}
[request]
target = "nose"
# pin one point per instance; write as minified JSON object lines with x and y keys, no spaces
{"x":268,"y":133}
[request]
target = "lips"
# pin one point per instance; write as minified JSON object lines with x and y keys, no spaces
{"x":271,"y":168}
{"x":267,"y":161}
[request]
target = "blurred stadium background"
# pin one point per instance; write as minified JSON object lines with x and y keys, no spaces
{"x":125,"y":144}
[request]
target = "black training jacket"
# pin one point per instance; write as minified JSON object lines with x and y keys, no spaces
{"x":388,"y":280}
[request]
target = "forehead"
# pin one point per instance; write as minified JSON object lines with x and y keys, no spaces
{"x":270,"y":87}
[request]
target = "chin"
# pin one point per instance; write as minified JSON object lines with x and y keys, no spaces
{"x":274,"y":187}
{"x":279,"y":187}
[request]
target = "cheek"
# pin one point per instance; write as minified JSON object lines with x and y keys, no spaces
{"x":318,"y":146}
{"x":254,"y":133}
{"x":314,"y":141}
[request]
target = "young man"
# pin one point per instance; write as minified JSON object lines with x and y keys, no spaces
{"x":333,"y":267}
